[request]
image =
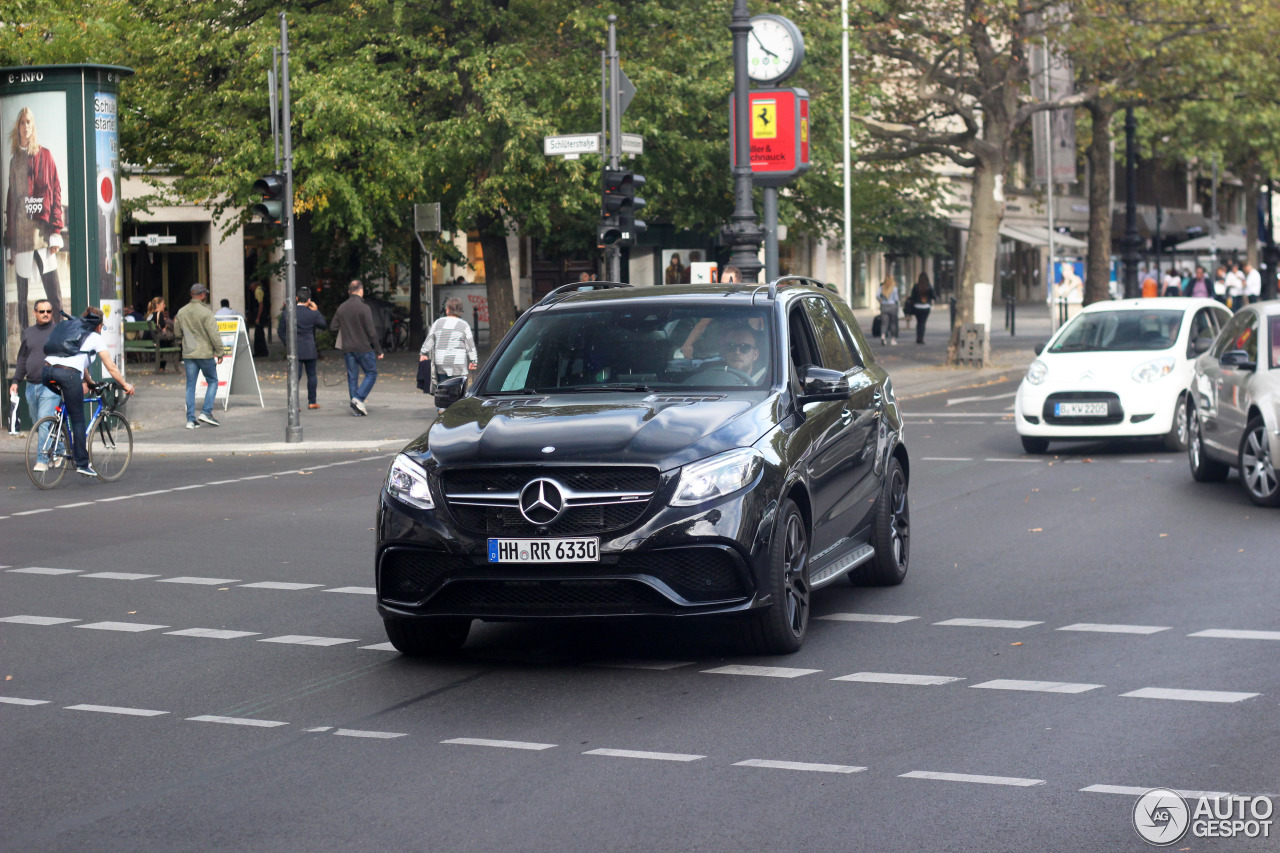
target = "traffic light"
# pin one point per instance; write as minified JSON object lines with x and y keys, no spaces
{"x":272,"y":189}
{"x":620,"y":203}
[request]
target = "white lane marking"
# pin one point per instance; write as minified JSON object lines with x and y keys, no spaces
{"x":381,"y":647}
{"x":111,"y":500}
{"x":1222,"y":696}
{"x":354,"y":590}
{"x":236,"y":721}
{"x":41,"y":570}
{"x":321,"y":729}
{"x":1036,"y":686}
{"x":651,"y":756}
{"x":200,"y":581}
{"x":1103,"y":628}
{"x":304,"y":640}
{"x":360,"y":733}
{"x":763,"y":671}
{"x":897,"y":678}
{"x":132,"y":627}
{"x":988,"y":623}
{"x":74,"y":505}
{"x":149,"y":494}
{"x":970,"y":777}
{"x":798,"y":765}
{"x":947,"y":459}
{"x":221,"y":482}
{"x":113,"y":709}
{"x":258,"y":477}
{"x":914,"y":415}
{"x":33,"y":511}
{"x":1228,"y":634}
{"x":14,"y":700}
{"x":500,"y":744}
{"x":119,"y":576}
{"x":955,"y":401}
{"x":213,"y":633}
{"x":37,"y":620}
{"x":866,"y":617}
{"x":1131,"y":791}
{"x":280,"y":585}
{"x":1010,"y":459}
{"x":643,"y":664}
{"x":184,"y":488}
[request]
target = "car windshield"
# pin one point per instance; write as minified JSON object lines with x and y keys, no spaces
{"x":1118,"y":331}
{"x":636,"y":345}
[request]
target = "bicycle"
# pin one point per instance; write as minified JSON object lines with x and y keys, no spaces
{"x":109,"y":437}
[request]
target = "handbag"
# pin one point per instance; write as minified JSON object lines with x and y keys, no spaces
{"x":876,"y":326}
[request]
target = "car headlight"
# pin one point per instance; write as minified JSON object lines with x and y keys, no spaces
{"x":719,"y":475}
{"x":1037,"y":372}
{"x":1153,"y":370}
{"x":407,"y":482}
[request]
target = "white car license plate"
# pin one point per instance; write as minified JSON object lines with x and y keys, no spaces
{"x":585,"y":550}
{"x":1080,"y":410}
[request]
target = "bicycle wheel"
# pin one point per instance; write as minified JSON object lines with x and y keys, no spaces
{"x":55,"y":448}
{"x":110,"y":446}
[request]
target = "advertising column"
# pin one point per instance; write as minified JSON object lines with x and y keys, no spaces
{"x":59,"y":179}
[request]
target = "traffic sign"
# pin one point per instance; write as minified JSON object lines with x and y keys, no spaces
{"x":153,"y":239}
{"x":632,"y":143}
{"x":570,"y":147}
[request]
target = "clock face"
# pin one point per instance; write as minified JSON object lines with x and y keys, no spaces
{"x":774,"y":48}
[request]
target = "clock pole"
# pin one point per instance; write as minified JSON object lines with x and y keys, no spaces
{"x":743,"y":234}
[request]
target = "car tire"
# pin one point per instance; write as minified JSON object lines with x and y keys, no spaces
{"x":427,"y":637}
{"x":1203,"y":469}
{"x":891,"y":535}
{"x":1257,"y":468}
{"x":780,"y":628}
{"x":1034,"y":444}
{"x":1175,"y":440}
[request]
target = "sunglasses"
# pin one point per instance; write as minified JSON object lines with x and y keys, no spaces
{"x":739,"y":347}
{"x":44,"y":310}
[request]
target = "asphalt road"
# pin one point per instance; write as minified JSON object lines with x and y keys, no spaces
{"x":225,"y":685}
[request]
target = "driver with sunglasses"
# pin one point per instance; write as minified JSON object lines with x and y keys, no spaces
{"x":741,"y":351}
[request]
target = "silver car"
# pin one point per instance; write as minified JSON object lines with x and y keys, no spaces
{"x":1234,"y":406}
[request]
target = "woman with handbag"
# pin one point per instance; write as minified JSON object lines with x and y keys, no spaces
{"x":921,"y":303}
{"x":888,"y":297}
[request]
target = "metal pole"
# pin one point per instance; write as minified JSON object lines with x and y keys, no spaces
{"x":848,"y":172}
{"x":1048,"y":164}
{"x":273,"y":96}
{"x":1131,"y":242}
{"x":1270,"y":251}
{"x":743,"y":233}
{"x":292,"y":432}
{"x":770,"y":233}
{"x":613,"y":254}
{"x":1213,"y":221}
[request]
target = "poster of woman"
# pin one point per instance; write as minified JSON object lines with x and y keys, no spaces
{"x":33,"y":167}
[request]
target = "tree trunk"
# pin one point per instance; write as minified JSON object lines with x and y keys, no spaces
{"x":497,"y":272}
{"x":984,"y":240}
{"x":1097,"y":272}
{"x":1251,"y":190}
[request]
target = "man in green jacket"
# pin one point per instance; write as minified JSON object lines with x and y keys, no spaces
{"x":197,"y":330}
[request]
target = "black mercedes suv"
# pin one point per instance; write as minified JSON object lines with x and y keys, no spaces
{"x":657,"y":451}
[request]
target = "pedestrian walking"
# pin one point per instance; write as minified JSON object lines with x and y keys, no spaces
{"x":41,"y":400}
{"x":1235,"y":287}
{"x":261,"y":319}
{"x":449,"y":346}
{"x":309,"y":320}
{"x":888,"y":297}
{"x":161,"y":327}
{"x":1199,"y":285}
{"x":1252,"y":284}
{"x":361,"y":348}
{"x":196,"y":329}
{"x":922,"y":299}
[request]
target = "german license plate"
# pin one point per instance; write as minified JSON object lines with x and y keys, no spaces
{"x":1080,"y":410}
{"x":584,"y":550}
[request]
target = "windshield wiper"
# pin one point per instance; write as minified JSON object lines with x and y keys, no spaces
{"x":514,"y":392}
{"x":614,"y":386}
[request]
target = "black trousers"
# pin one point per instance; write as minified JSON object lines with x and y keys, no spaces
{"x":69,"y":380}
{"x":922,"y":317}
{"x":309,"y":364}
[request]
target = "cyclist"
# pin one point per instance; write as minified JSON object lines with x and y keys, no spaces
{"x":69,"y":376}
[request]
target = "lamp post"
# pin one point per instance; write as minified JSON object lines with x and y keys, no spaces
{"x":1129,"y":245}
{"x":743,"y":233}
{"x":1270,"y":251}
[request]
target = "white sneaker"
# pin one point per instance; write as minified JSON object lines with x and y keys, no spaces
{"x":192,"y":425}
{"x":39,"y":467}
{"x":358,"y":405}
{"x":207,"y":419}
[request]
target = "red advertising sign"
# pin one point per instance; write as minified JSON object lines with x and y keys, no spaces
{"x":779,"y":135}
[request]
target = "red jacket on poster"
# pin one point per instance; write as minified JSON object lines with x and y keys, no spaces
{"x":41,"y":202}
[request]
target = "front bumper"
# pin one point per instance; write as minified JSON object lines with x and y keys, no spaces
{"x":1133,"y":411}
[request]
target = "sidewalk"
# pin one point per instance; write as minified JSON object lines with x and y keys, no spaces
{"x":399,"y":412}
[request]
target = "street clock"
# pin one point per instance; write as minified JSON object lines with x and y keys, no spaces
{"x":775,"y":49}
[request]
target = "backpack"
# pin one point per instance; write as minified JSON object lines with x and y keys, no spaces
{"x":68,"y":336}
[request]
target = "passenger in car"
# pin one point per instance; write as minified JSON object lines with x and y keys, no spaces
{"x":740,"y":347}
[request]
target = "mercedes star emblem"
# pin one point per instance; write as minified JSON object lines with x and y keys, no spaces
{"x":542,"y":501}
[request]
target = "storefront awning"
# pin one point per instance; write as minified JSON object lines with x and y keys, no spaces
{"x":1034,"y":236}
{"x":1230,"y":241}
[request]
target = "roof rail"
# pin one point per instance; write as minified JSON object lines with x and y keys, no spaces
{"x":582,"y":286}
{"x":791,"y":280}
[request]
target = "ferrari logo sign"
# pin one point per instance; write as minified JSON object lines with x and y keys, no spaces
{"x":764,"y":119}
{"x":779,"y":130}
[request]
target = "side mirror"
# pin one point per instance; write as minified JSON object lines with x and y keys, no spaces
{"x":1237,"y":358}
{"x":1040,"y":347}
{"x":450,"y":391}
{"x":1200,"y":346}
{"x":821,"y":383}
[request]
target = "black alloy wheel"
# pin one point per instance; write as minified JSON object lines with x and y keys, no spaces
{"x":427,"y":637}
{"x":1203,"y":469}
{"x":780,"y":628}
{"x":1257,"y":468}
{"x":891,"y":535}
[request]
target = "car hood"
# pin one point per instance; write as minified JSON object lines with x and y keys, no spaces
{"x":1104,"y":369}
{"x":662,"y":430}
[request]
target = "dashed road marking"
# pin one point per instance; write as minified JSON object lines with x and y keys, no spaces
{"x":119,"y":576}
{"x":947,"y":459}
{"x":897,"y":678}
{"x":1221,"y":696}
{"x":237,"y":721}
{"x":1036,"y":686}
{"x":37,"y":620}
{"x":114,"y":709}
{"x":130,"y":627}
{"x":368,"y":734}
{"x":280,"y":585}
{"x":1228,"y":634}
{"x":866,"y":617}
{"x":500,"y":744}
{"x":763,"y":671}
{"x":988,"y":623}
{"x":198,"y":581}
{"x":41,"y":570}
{"x":971,"y":777}
{"x":1013,"y":459}
{"x":33,"y":511}
{"x":656,"y":665}
{"x":304,"y":640}
{"x":1133,"y":791}
{"x":798,"y":765}
{"x":381,"y":647}
{"x":16,"y":700}
{"x":1102,"y":628}
{"x":650,"y":756}
{"x":354,"y":590}
{"x":213,"y":633}
{"x":74,"y":505}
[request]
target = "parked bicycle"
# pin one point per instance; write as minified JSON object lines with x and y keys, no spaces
{"x":109,"y":438}
{"x":397,"y":337}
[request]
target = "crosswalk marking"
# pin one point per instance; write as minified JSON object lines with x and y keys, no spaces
{"x":798,"y":765}
{"x":657,"y":665}
{"x":1036,"y":686}
{"x":651,"y":756}
{"x":897,"y":678}
{"x":37,"y":620}
{"x":130,"y":627}
{"x":866,"y":617}
{"x":368,"y":734}
{"x":1223,"y":696}
{"x":500,"y":744}
{"x":1102,"y":628}
{"x":16,"y":700}
{"x":988,"y":623}
{"x":212,"y":633}
{"x":763,"y":671}
{"x":114,"y":709}
{"x":236,"y":721}
{"x":970,"y":777}
{"x":1134,"y":791}
{"x":381,"y":647}
{"x":354,"y":590}
{"x":41,"y":570}
{"x":304,"y":640}
{"x":279,"y":585}
{"x":119,"y":576}
{"x":1227,"y":634}
{"x":199,"y":581}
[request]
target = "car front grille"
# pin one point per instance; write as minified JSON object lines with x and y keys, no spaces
{"x":409,"y":575}
{"x":1114,"y":415}
{"x":580,"y":597}
{"x":697,"y":574}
